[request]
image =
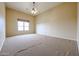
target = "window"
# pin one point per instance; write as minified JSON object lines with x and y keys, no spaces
{"x":23,"y":25}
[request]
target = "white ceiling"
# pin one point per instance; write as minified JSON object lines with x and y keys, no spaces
{"x":27,"y":6}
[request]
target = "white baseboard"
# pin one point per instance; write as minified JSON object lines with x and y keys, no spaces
{"x":61,"y":37}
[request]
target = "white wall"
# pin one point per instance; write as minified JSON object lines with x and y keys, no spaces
{"x":60,"y":21}
{"x":2,"y":24}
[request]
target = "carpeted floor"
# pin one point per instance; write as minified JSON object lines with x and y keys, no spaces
{"x":38,"y":45}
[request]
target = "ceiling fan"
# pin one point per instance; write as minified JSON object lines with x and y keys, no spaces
{"x":34,"y":9}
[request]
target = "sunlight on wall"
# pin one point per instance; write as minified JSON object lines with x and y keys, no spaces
{"x":1,"y":24}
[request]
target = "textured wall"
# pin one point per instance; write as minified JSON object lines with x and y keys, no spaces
{"x":11,"y":25}
{"x":60,"y":21}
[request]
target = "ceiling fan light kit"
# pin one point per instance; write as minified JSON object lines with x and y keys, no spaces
{"x":34,"y":10}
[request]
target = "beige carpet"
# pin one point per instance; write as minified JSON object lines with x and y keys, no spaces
{"x":38,"y":45}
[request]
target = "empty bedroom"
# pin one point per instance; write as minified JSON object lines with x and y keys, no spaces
{"x":38,"y":29}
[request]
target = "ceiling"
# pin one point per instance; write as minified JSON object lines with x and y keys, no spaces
{"x":27,"y":6}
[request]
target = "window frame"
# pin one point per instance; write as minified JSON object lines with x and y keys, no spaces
{"x":23,"y":24}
